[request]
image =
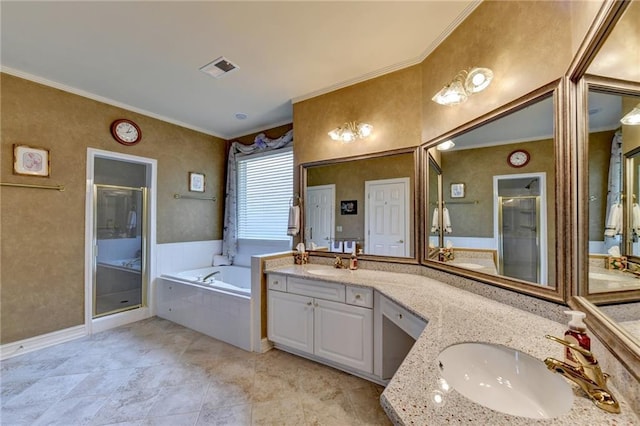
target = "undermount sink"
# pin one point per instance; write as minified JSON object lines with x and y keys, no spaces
{"x":608,"y":277}
{"x":505,"y":380}
{"x":328,"y":272}
{"x":468,"y":265}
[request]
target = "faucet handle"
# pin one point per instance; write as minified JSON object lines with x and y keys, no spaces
{"x":589,"y":358}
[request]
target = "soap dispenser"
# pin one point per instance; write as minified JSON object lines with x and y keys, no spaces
{"x":576,"y":334}
{"x":353,"y":261}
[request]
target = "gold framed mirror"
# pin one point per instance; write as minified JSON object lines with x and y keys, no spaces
{"x":364,"y":204}
{"x":502,"y":229}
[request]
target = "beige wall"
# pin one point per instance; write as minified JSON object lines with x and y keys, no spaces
{"x":599,"y":156}
{"x":42,"y":251}
{"x":630,"y":134}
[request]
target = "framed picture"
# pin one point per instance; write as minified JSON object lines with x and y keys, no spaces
{"x":349,"y":207}
{"x":30,"y":161}
{"x":457,"y":190}
{"x":196,"y":182}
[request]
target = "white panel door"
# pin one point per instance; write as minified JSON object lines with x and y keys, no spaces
{"x":320,"y":215}
{"x":386,"y":215}
{"x":344,"y":334}
{"x":290,"y":320}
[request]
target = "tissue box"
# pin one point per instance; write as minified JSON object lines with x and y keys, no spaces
{"x":616,"y":262}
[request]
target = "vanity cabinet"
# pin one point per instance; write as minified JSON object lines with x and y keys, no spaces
{"x":317,"y":318}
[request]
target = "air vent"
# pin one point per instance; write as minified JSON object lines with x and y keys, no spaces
{"x":219,"y":67}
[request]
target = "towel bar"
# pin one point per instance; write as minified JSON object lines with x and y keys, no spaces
{"x":189,"y":197}
{"x":27,"y":185}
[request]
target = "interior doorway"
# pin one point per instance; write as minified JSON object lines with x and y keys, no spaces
{"x":320,"y":215}
{"x":119,"y":238}
{"x":387,"y":217}
{"x":521,"y":226}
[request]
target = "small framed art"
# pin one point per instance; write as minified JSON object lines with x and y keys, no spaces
{"x":196,"y":182}
{"x":30,"y":161}
{"x":457,"y":190}
{"x":349,"y":207}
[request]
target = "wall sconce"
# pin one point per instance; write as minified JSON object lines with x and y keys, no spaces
{"x":351,"y":131}
{"x":464,"y":84}
{"x":632,"y":118}
{"x":445,"y":145}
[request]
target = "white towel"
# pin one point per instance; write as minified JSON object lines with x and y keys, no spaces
{"x":614,"y":221}
{"x":336,"y":246}
{"x":132,"y":220}
{"x":294,"y":221}
{"x":350,"y":247}
{"x":435,"y":223}
{"x":636,"y":218}
{"x":219,"y":260}
{"x":446,"y":220}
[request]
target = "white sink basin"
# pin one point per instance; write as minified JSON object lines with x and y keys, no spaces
{"x":608,"y":277}
{"x":505,"y":380}
{"x":329,"y":272}
{"x":468,"y":265}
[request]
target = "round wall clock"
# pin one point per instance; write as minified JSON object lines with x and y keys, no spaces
{"x":518,"y":158}
{"x":126,"y":132}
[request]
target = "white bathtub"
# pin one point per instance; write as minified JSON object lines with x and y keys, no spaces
{"x":220,"y":307}
{"x":233,"y":279}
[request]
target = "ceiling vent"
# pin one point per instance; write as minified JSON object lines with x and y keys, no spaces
{"x":219,"y":67}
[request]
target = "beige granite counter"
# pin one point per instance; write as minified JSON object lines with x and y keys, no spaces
{"x":603,"y":280}
{"x":453,"y":316}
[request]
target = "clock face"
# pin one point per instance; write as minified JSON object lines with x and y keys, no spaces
{"x":518,"y":158}
{"x":126,"y":132}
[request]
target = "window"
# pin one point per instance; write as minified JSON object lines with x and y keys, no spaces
{"x":265,"y":186}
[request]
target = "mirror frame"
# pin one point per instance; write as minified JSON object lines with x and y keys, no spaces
{"x":417,"y":232}
{"x":558,"y":294}
{"x":614,"y":87}
{"x":428,"y":162}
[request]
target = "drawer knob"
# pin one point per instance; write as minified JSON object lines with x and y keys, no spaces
{"x":276,"y":282}
{"x":400,"y":316}
{"x":308,"y":303}
{"x":358,"y":296}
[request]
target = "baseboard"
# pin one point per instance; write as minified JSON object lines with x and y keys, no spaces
{"x":31,"y":344}
{"x":116,"y":320}
{"x":265,"y":345}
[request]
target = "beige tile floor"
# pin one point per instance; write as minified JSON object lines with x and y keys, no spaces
{"x":155,"y":372}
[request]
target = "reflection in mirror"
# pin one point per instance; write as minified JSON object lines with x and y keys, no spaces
{"x":433,"y":193}
{"x":364,"y":205}
{"x":499,"y":196}
{"x":614,"y":212}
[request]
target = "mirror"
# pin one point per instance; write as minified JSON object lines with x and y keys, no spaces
{"x":364,"y":204}
{"x":499,"y":200}
{"x":614,"y":209}
{"x":433,"y":193}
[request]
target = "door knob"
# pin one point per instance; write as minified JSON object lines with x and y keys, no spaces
{"x":400,"y":241}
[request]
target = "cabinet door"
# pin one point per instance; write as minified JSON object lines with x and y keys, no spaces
{"x":344,"y":334}
{"x":291,"y":320}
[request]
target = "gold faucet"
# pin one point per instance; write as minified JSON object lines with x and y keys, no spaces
{"x":587,"y":375}
{"x":338,"y":263}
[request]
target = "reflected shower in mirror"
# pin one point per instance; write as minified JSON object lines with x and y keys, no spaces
{"x":499,"y":197}
{"x":614,"y":210}
{"x":366,"y":205}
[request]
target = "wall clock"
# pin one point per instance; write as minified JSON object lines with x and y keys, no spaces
{"x":126,"y":132}
{"x":518,"y":158}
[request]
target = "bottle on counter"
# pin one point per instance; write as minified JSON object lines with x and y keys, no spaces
{"x":576,"y":334}
{"x":353,"y":261}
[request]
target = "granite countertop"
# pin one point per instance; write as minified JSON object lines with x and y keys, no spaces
{"x":603,"y":280}
{"x":454,"y":316}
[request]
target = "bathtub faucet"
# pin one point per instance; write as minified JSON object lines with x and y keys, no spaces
{"x":210,"y":275}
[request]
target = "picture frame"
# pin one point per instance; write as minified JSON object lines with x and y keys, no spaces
{"x":31,"y":161}
{"x":196,"y":182}
{"x":457,"y":190}
{"x":349,"y":207}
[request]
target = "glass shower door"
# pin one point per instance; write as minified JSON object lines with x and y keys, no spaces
{"x":519,"y":224}
{"x":120,"y":249}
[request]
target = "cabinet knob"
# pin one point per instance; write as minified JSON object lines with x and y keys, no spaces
{"x":358,"y":297}
{"x":276,"y":282}
{"x":315,"y":304}
{"x":400,"y":316}
{"x":309,"y":303}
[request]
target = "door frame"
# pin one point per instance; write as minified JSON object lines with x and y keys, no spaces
{"x":407,"y":207}
{"x":104,"y":323}
{"x":543,"y":248}
{"x":332,"y":187}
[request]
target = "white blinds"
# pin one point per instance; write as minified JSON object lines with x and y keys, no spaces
{"x":265,"y":186}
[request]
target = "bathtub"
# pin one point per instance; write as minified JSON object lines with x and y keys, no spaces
{"x":219,"y":307}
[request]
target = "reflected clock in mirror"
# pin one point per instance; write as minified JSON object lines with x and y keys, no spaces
{"x":381,"y":186}
{"x":614,"y":182}
{"x":504,"y":226}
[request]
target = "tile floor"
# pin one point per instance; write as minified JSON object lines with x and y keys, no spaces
{"x":155,"y":372}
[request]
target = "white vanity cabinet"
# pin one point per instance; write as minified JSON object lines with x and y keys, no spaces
{"x":315,"y":318}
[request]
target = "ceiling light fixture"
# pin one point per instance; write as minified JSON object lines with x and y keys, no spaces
{"x":445,"y":145}
{"x":351,"y":131}
{"x":632,"y":118}
{"x":464,"y":84}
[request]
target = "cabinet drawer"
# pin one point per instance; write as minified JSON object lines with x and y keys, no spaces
{"x":360,"y":296}
{"x":277,"y":282}
{"x":410,"y":323}
{"x":321,"y":290}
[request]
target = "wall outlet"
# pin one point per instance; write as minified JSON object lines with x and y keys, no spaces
{"x":339,"y":228}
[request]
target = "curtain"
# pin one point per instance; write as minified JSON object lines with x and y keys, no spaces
{"x":261,"y":144}
{"x":613,"y":224}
